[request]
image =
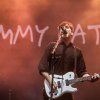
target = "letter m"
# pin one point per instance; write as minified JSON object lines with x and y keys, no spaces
{"x":8,"y":33}
{"x":23,"y":34}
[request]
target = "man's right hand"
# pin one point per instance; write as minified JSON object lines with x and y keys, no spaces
{"x":49,"y":79}
{"x":54,"y":85}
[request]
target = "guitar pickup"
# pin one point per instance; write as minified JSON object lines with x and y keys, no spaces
{"x":58,"y":78}
{"x":67,"y":82}
{"x":59,"y":84}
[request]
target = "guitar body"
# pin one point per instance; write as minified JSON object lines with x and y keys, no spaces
{"x":63,"y":87}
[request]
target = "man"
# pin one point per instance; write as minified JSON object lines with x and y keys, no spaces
{"x":61,"y":57}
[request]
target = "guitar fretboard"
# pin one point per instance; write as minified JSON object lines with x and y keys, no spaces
{"x":88,"y":78}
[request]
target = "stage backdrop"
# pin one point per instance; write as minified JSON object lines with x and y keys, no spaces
{"x":27,"y":26}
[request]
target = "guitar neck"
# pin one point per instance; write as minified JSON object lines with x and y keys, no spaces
{"x":88,"y":78}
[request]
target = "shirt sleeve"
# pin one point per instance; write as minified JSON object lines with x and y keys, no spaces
{"x":81,"y":67}
{"x":44,"y":62}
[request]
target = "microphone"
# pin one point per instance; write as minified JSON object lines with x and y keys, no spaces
{"x":64,"y":30}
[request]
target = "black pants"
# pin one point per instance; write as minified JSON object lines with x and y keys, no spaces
{"x":67,"y":96}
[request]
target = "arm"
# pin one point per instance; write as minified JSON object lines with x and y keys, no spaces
{"x":81,"y":67}
{"x":43,"y":67}
{"x":49,"y":79}
{"x":44,"y":63}
{"x":81,"y":70}
{"x":46,"y":76}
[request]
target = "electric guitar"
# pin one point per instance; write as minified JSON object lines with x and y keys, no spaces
{"x":64,"y":83}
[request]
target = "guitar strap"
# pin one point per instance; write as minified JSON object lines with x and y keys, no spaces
{"x":63,"y":58}
{"x":75,"y":59}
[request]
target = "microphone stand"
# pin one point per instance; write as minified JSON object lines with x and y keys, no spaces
{"x":53,"y":60}
{"x":52,"y":74}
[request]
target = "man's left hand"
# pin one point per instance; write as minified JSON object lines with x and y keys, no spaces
{"x":95,"y":77}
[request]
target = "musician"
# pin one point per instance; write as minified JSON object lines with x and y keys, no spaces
{"x":61,"y":57}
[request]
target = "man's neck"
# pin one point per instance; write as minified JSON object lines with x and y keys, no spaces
{"x":66,"y":42}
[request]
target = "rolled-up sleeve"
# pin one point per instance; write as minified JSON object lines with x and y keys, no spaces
{"x":44,"y":62}
{"x":81,"y":67}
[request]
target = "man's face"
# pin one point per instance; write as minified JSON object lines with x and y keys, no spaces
{"x":66,"y":32}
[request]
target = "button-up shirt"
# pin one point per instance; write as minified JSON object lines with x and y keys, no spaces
{"x":65,"y":59}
